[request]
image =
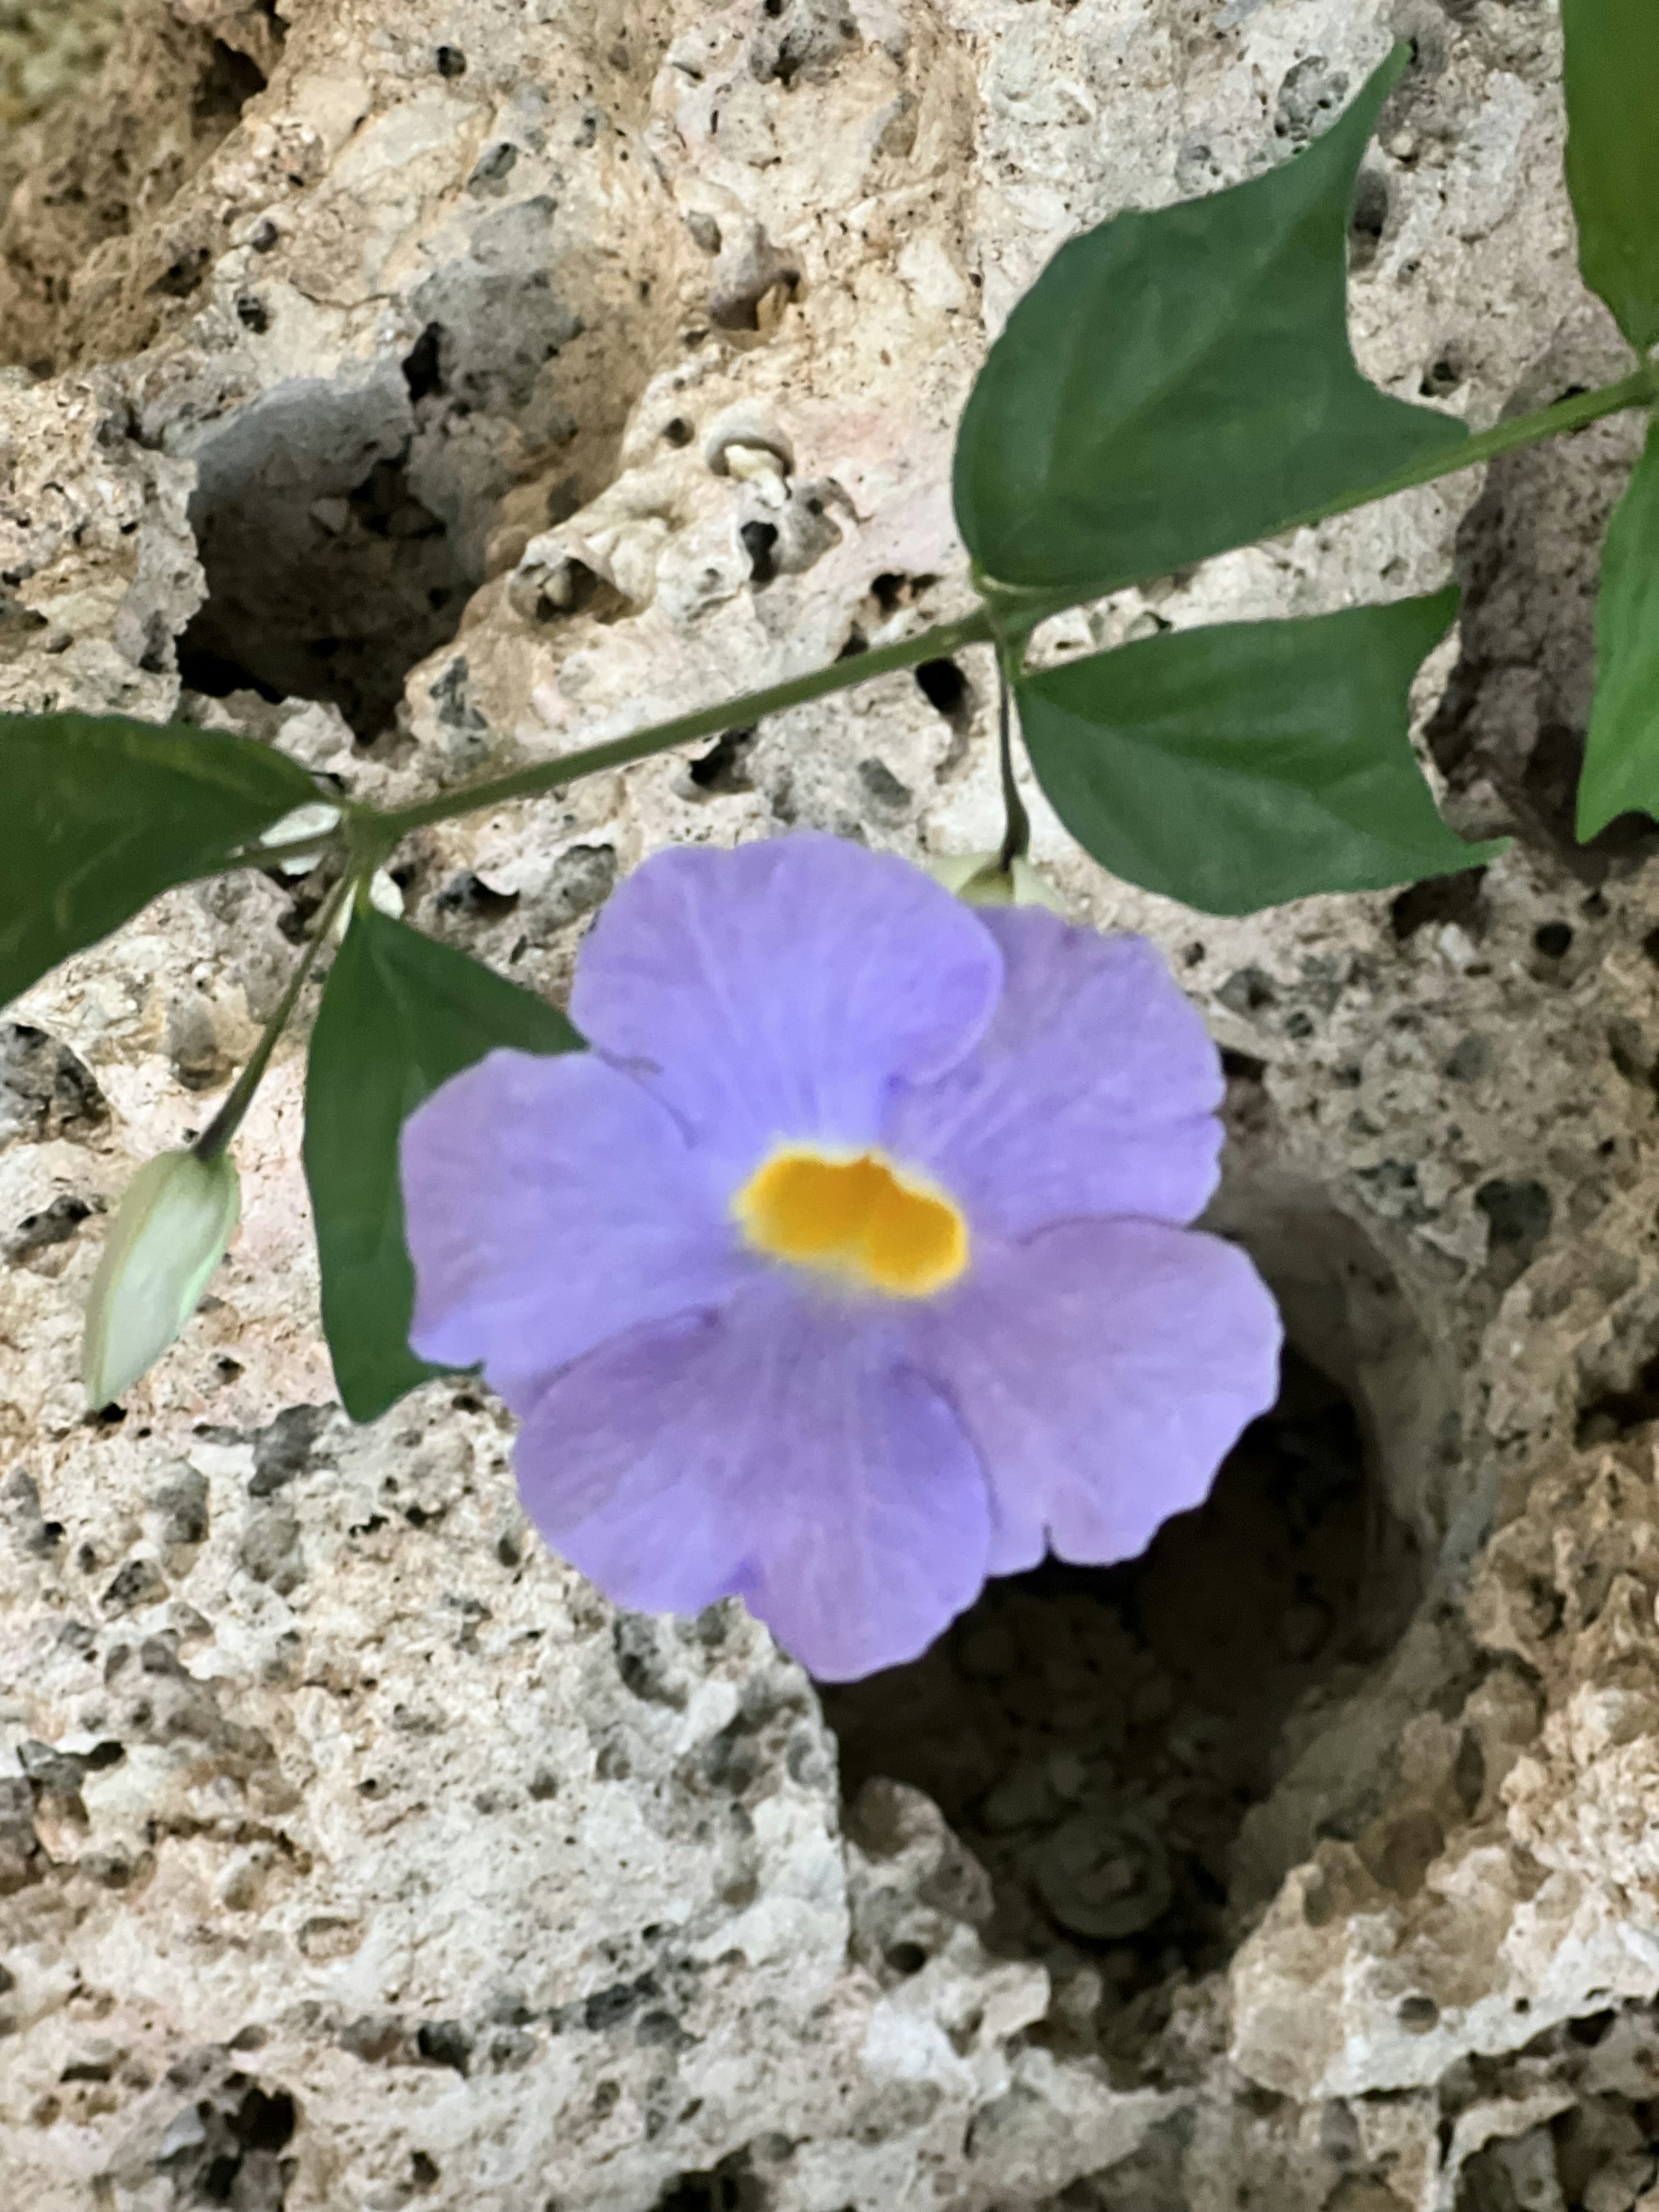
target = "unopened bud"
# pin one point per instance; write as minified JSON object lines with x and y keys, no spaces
{"x":169,"y":1234}
{"x":980,"y":880}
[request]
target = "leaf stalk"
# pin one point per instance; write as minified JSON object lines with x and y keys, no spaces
{"x":229,"y":1119}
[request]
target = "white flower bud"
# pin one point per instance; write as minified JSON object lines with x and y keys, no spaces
{"x":169,"y":1234}
{"x":978,"y":879}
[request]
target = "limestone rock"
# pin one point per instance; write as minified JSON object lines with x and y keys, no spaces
{"x":421,"y":384}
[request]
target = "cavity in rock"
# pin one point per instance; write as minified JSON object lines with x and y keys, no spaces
{"x":1096,"y":1736}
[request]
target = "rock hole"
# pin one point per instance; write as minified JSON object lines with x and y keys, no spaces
{"x":423,"y":364}
{"x":45,"y":1090}
{"x":1519,"y":1216}
{"x":1608,"y":1414}
{"x":723,"y":770}
{"x":944,"y":688}
{"x":1242,"y":1066}
{"x":1096,"y":1736}
{"x":343,"y":525}
{"x":263,"y":2120}
{"x":1435,"y":902}
{"x":445,"y":2043}
{"x":1445,"y":374}
{"x":1118,"y":1747}
{"x":329,"y":575}
{"x":730,"y":2187}
{"x":1370,"y":218}
{"x":470,"y":897}
{"x":760,"y":541}
{"x":229,"y":2148}
{"x":230,"y":80}
{"x":1312,"y":95}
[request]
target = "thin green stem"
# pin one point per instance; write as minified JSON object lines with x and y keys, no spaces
{"x":685,"y":729}
{"x":1024,"y":606}
{"x":1011,"y":614}
{"x":1639,"y":389}
{"x":229,"y":1119}
{"x":1016,"y":834}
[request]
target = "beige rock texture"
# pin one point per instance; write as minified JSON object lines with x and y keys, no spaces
{"x":48,"y":47}
{"x":426,"y":384}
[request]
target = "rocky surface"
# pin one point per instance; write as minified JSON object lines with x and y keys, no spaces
{"x":47,"y":48}
{"x":421,"y":383}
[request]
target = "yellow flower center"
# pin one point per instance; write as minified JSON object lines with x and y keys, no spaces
{"x":861,"y":1219}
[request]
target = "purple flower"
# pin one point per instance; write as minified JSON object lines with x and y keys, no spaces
{"x":849,"y":1267}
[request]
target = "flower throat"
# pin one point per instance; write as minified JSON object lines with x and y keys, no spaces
{"x":860,"y":1219}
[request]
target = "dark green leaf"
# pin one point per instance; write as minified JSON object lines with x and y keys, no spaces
{"x":1179,"y":382}
{"x":1612,"y":74}
{"x":1238,"y":766}
{"x":102,"y":814}
{"x":400,"y":1015}
{"x":1622,"y":761}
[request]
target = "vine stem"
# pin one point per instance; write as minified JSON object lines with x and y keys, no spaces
{"x":229,"y":1119}
{"x":1016,"y":836}
{"x":1639,"y":389}
{"x":936,"y":644}
{"x":1012,"y":613}
{"x":1027,"y":604}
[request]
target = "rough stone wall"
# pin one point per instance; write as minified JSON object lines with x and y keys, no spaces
{"x":380,"y":368}
{"x":48,"y":47}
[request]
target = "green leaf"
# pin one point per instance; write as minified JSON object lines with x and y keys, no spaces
{"x":1612,"y":74}
{"x":1179,"y":382}
{"x":400,"y":1015}
{"x":1241,"y":765}
{"x":102,"y":814}
{"x":1621,"y":760}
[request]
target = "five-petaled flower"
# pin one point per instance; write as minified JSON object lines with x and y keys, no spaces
{"x":850,"y":1265}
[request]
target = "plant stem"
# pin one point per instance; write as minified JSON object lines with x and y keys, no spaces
{"x":1012,"y":613}
{"x":1024,"y":606}
{"x":229,"y":1119}
{"x":1016,"y":836}
{"x":1639,"y":389}
{"x":685,"y":729}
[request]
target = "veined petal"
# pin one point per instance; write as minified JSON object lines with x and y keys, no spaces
{"x":1093,"y":1090}
{"x":1103,"y":1369}
{"x":549,"y":1203}
{"x":778,"y":992}
{"x":781,"y":1448}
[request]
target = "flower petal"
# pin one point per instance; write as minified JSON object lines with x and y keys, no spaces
{"x":781,"y":1448}
{"x":778,"y":991}
{"x":1104,"y":1369}
{"x":548,"y":1203}
{"x":1093,"y":1090}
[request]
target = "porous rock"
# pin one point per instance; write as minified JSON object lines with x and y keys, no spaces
{"x":426,"y":384}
